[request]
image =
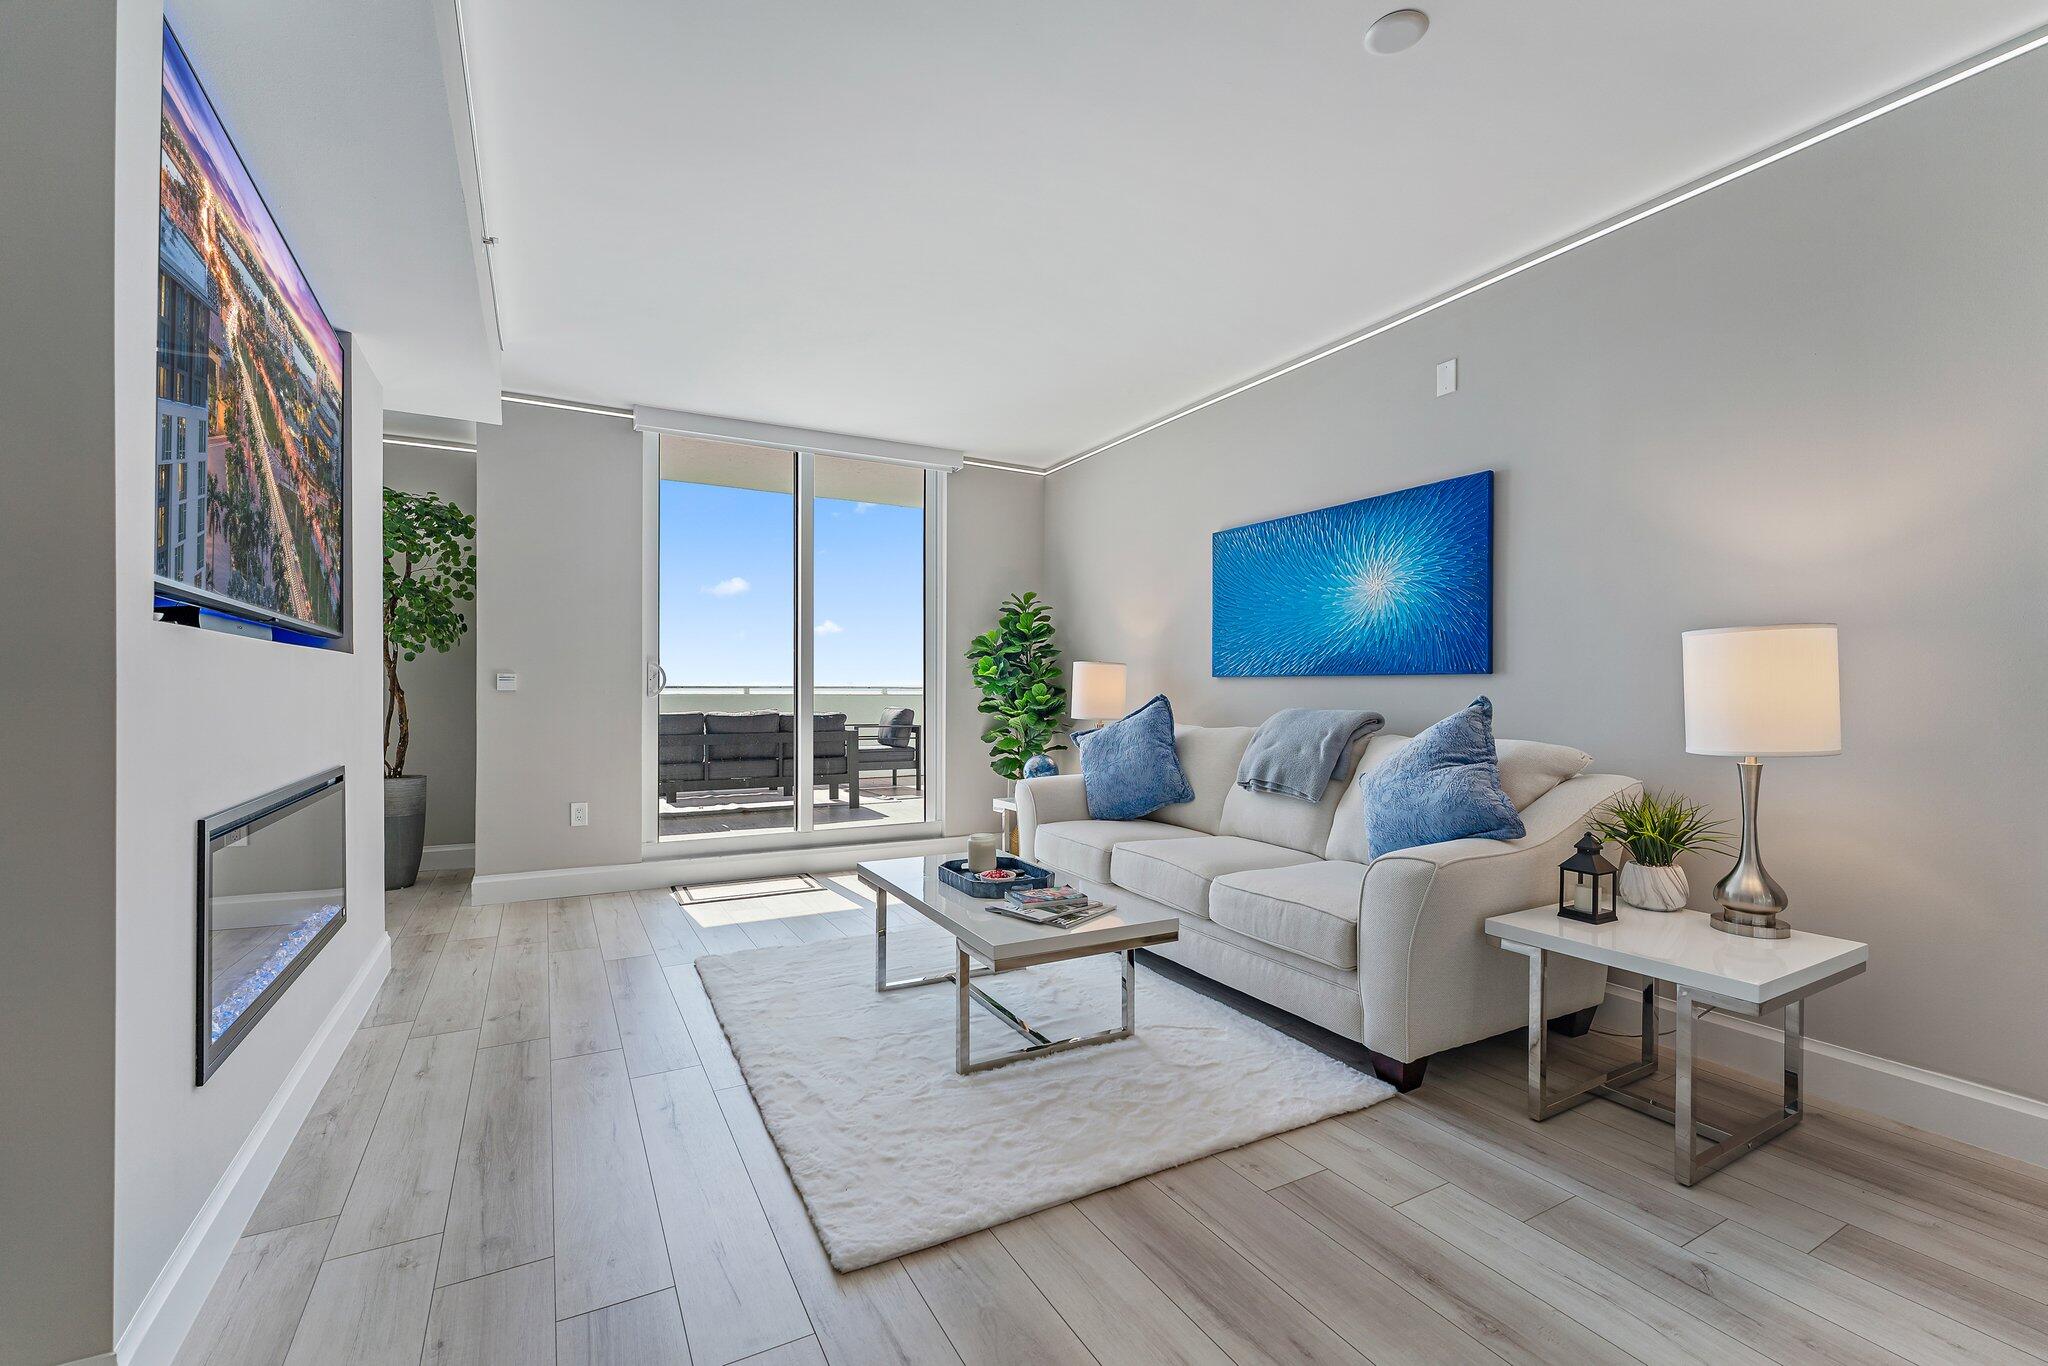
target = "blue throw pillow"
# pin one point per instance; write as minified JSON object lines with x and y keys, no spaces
{"x":1445,"y":785}
{"x":1129,"y":768}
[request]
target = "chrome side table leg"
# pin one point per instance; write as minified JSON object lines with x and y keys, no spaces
{"x":1542,"y":1102}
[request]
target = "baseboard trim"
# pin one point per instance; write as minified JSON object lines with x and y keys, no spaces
{"x":1863,"y":1084}
{"x":167,"y":1312}
{"x":446,"y":858}
{"x":495,"y":889}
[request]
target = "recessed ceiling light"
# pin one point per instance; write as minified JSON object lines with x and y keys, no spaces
{"x":1396,"y":32}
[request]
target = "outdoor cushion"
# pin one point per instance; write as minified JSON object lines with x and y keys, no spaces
{"x":896,"y":722}
{"x":1310,"y":908}
{"x":1082,"y":847}
{"x":1177,"y":872}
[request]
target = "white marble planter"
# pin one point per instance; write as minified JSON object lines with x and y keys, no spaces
{"x":1651,"y":888}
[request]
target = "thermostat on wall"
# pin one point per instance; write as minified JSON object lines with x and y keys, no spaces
{"x":508,"y":682}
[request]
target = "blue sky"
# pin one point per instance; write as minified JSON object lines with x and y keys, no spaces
{"x":727,"y":592}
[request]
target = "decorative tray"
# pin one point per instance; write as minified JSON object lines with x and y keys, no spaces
{"x":953,"y":872}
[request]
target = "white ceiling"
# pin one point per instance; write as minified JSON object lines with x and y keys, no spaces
{"x":1021,"y":229}
{"x":1013,"y":229}
{"x":342,"y":112}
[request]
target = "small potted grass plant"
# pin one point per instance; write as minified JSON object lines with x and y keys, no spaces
{"x":1657,"y":827}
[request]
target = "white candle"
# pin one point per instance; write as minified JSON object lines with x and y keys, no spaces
{"x":981,"y":853}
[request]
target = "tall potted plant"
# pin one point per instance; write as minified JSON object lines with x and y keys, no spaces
{"x":429,"y":572}
{"x":1017,"y":668}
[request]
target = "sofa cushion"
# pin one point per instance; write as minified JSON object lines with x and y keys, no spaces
{"x":1082,"y":847}
{"x":1308,"y":908}
{"x":1347,"y":826}
{"x":1177,"y":872}
{"x":1209,"y":756}
{"x":1129,"y":768}
{"x":1290,"y":821}
{"x":1530,"y":768}
{"x":1444,"y":786}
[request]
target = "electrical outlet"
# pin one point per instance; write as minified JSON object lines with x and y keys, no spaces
{"x":579,"y":813}
{"x":1447,"y":377}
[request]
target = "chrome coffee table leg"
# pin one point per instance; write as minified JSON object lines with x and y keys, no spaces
{"x":882,"y":982}
{"x":1037,"y":1044}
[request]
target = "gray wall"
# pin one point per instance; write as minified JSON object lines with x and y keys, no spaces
{"x":558,"y":603}
{"x":57,"y":83}
{"x":994,"y":547}
{"x":440,"y":689}
{"x":1815,"y":394}
{"x":560,"y":594}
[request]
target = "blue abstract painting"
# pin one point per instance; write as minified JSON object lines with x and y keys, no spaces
{"x":1398,"y":584}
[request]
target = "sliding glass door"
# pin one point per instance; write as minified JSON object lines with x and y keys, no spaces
{"x":793,"y":640}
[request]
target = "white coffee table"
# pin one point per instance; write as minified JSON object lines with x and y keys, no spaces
{"x":1709,"y":970}
{"x":1002,"y":944}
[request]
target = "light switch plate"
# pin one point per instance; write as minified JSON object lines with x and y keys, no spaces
{"x":1447,"y":377}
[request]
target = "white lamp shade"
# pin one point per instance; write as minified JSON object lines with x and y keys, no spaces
{"x":1763,"y":690}
{"x":1098,"y":691}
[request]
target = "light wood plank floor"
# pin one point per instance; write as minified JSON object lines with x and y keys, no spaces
{"x":538,"y":1149}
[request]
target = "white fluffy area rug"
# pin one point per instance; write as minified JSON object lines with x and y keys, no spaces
{"x":893,"y":1151}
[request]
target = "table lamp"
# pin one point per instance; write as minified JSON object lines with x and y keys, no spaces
{"x":1753,"y":692}
{"x":1098,"y":691}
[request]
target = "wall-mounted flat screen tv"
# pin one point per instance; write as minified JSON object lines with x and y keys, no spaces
{"x":251,"y":389}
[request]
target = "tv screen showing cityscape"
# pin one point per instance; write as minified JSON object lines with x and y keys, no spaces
{"x":249,"y":388}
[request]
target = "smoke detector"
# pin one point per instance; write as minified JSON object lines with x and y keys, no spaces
{"x":1395,"y":32}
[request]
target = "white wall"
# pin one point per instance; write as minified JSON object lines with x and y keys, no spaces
{"x":1814,"y":394}
{"x":57,"y":82}
{"x":560,"y":603}
{"x":440,"y":689}
{"x":137,"y":729}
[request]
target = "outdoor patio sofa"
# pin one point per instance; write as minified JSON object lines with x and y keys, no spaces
{"x":751,"y":751}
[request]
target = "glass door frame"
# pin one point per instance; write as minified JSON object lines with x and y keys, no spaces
{"x":803,"y":832}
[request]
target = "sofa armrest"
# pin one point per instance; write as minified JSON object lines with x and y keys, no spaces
{"x":1430,"y":976}
{"x":1041,"y":801}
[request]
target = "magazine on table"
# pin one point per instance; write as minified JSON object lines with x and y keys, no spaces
{"x":1060,"y":917}
{"x":1049,"y":898}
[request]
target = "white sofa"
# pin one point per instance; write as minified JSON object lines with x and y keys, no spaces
{"x":1283,"y":901}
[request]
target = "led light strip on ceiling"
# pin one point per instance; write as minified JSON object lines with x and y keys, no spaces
{"x":1996,"y":57}
{"x":391,"y":440}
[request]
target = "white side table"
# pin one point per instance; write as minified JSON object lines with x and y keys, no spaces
{"x":1709,"y":970}
{"x":1006,"y":816}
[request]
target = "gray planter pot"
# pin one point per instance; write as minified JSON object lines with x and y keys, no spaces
{"x":405,"y":830}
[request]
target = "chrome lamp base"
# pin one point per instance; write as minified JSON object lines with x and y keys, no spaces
{"x":1751,"y":900}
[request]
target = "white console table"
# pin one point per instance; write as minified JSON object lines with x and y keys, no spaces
{"x":1708,"y":970}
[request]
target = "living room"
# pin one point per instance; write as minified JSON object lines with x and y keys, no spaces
{"x":927,"y":684}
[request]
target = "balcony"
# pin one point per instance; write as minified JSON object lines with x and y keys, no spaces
{"x":728,"y":773}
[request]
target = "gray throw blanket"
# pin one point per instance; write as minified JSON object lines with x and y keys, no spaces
{"x":1299,"y":752}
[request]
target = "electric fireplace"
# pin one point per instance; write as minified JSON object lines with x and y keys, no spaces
{"x":272,"y":892}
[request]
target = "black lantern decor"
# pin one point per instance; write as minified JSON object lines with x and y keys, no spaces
{"x":1581,"y":893}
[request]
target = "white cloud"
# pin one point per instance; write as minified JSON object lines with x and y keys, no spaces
{"x":728,"y":588}
{"x":863,"y":507}
{"x":829,"y":627}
